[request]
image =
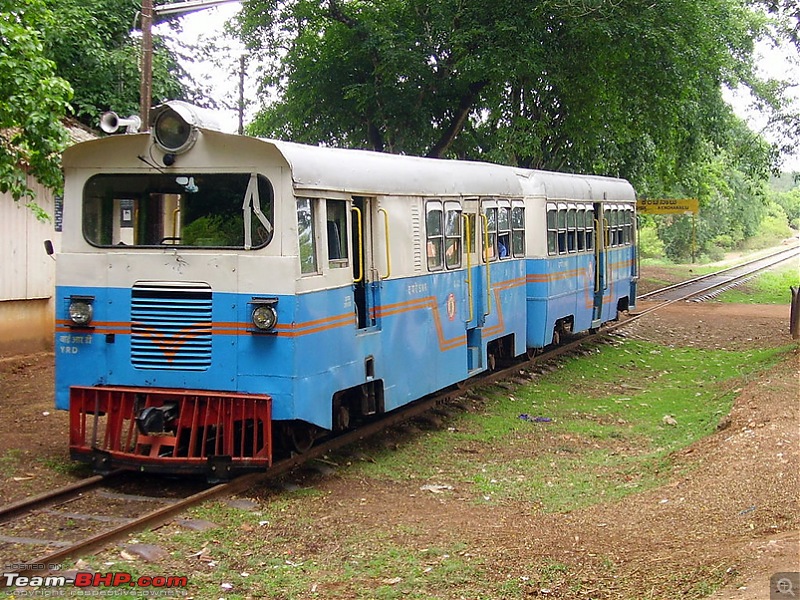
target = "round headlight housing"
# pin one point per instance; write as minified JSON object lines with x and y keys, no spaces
{"x":265,"y":317}
{"x":80,"y":313}
{"x":173,"y":133}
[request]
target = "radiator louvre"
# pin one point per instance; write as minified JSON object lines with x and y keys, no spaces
{"x":171,"y":326}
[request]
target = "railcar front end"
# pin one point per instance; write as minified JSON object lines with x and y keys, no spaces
{"x":171,"y":289}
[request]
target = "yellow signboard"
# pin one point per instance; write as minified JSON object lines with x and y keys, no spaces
{"x":668,"y":206}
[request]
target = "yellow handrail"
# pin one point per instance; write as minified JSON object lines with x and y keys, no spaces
{"x":468,"y":233}
{"x":175,"y":214}
{"x":598,"y":242}
{"x":388,"y":254}
{"x":360,"y":277}
{"x":486,"y":259}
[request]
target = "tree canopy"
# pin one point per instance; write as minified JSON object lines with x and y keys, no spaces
{"x":92,"y":46}
{"x":67,"y":58}
{"x":32,"y":100}
{"x":626,"y":87}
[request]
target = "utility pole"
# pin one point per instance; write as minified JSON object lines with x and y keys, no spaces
{"x":241,"y":94}
{"x":146,"y":88}
{"x":147,"y":14}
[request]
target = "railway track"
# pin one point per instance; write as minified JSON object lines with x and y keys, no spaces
{"x":154,"y":509}
{"x":708,"y":286}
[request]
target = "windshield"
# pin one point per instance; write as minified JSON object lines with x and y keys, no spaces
{"x":223,"y":210}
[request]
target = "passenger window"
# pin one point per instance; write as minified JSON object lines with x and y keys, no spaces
{"x":491,"y":221}
{"x":562,"y":230}
{"x":452,"y":231}
{"x":336,"y":219}
{"x":434,"y":247}
{"x":518,"y":230}
{"x":503,"y":232}
{"x":581,"y":228}
{"x":552,"y":231}
{"x":306,"y":209}
{"x":572,"y":230}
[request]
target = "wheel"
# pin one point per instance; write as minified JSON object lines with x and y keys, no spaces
{"x":302,"y":437}
{"x":342,"y":418}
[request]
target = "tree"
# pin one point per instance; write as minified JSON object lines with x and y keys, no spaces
{"x":626,"y":88}
{"x":33,"y":99}
{"x":92,"y":46}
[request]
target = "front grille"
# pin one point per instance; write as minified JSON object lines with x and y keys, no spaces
{"x":171,"y":326}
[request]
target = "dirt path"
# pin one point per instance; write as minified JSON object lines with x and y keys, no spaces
{"x":736,"y":511}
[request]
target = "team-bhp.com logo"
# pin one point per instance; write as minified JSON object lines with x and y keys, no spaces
{"x":86,"y":579}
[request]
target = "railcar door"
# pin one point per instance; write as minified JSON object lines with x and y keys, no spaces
{"x":365,"y":215}
{"x":600,"y":263}
{"x":477,"y":280}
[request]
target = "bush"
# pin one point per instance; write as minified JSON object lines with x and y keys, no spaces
{"x":650,"y":245}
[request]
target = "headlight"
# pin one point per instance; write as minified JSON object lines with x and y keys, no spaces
{"x":176,"y":126}
{"x":80,"y":312}
{"x":173,"y":133}
{"x":265,"y":317}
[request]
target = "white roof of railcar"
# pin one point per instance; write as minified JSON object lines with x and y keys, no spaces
{"x":369,"y":173}
{"x":364,"y":171}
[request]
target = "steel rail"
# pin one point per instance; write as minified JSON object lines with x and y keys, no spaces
{"x":51,"y":497}
{"x":780,"y":256}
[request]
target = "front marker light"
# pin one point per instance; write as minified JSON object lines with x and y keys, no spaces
{"x":80,"y":312}
{"x":265,"y":317}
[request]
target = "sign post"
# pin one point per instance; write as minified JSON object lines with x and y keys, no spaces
{"x":672,"y":206}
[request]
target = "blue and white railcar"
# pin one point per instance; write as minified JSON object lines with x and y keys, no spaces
{"x":220,"y":296}
{"x":582,"y":268}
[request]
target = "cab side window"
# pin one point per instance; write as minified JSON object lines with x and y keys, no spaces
{"x":452,"y":235}
{"x":306,"y":213}
{"x":434,"y":231}
{"x":336,"y":226}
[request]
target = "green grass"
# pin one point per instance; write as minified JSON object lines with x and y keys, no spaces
{"x":606,"y":438}
{"x":65,"y":466}
{"x":771,"y":287}
{"x":9,"y":462}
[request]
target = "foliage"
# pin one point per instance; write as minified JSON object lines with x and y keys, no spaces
{"x":60,"y":57}
{"x":93,"y":49}
{"x":617,"y":88}
{"x":33,"y":99}
{"x":790,"y":202}
{"x":212,"y":230}
{"x":773,"y":229}
{"x":730,"y":182}
{"x":650,"y":245}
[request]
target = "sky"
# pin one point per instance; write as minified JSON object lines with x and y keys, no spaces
{"x":775,"y":62}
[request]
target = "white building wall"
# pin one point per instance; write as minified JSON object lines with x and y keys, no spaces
{"x":27,"y":274}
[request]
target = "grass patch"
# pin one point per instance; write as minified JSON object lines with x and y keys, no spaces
{"x":771,"y":287}
{"x":607,"y":433}
{"x":9,"y":461}
{"x":65,"y":466}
